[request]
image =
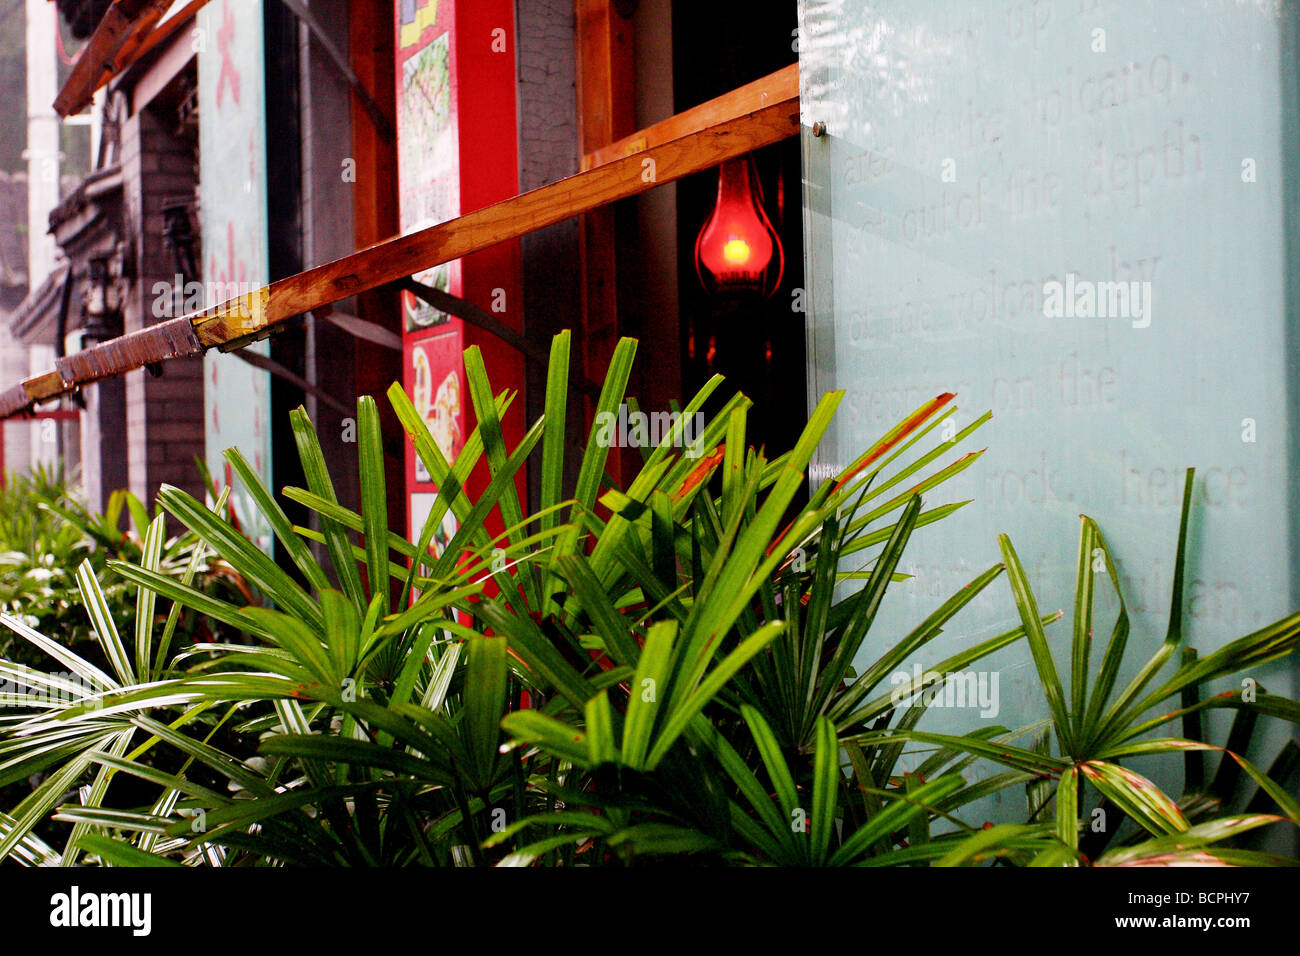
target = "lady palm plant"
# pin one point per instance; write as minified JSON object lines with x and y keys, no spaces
{"x":45,"y":535}
{"x":54,"y":550}
{"x":666,"y":767}
{"x":56,"y":725}
{"x":1096,"y":729}
{"x":662,"y":671}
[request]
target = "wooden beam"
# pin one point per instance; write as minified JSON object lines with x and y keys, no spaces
{"x":374,"y":193}
{"x":172,"y":52}
{"x":252,"y":314}
{"x":132,"y":53}
{"x":116,"y":40}
{"x":606,"y":93}
{"x":237,"y":322}
{"x":776,"y":87}
{"x":341,"y":63}
{"x":145,"y":34}
{"x":606,"y":103}
{"x":371,"y":367}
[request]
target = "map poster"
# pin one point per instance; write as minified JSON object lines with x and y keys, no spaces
{"x":428,"y":170}
{"x":429,"y":193}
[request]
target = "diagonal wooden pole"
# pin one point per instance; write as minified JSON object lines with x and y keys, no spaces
{"x":122,"y":35}
{"x":247,"y":318}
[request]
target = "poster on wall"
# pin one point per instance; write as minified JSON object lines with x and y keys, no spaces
{"x":428,"y":174}
{"x":232,"y":175}
{"x":428,"y":164}
{"x":435,"y":377}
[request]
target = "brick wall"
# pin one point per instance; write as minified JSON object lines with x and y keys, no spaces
{"x":548,"y":151}
{"x":164,"y":415}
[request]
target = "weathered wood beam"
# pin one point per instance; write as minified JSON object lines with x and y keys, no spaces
{"x":605,"y":73}
{"x":239,"y":321}
{"x":778,"y":87}
{"x":121,"y":36}
{"x":146,"y":40}
{"x":335,"y":56}
{"x":606,"y":95}
{"x":249,"y":316}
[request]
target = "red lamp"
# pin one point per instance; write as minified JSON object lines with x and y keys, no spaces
{"x":738,"y":250}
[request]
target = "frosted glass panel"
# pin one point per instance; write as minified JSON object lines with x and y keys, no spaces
{"x":1080,"y":215}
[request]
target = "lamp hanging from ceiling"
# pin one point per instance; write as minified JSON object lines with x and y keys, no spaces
{"x":737,"y":250}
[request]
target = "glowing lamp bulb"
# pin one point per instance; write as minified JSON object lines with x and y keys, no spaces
{"x":737,"y":249}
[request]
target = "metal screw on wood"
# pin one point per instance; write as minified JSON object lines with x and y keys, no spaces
{"x":819,"y":128}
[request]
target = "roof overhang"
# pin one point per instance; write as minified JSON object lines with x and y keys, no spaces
{"x":129,"y":30}
{"x":34,"y":319}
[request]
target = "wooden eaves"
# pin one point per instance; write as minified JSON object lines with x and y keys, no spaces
{"x":731,"y":125}
{"x":128,"y":30}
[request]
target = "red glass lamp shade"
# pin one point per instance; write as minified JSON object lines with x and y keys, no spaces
{"x":738,"y":250}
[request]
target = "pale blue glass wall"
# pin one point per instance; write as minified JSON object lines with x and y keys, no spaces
{"x":976,"y":150}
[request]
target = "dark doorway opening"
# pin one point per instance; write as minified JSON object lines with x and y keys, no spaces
{"x":758,"y":345}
